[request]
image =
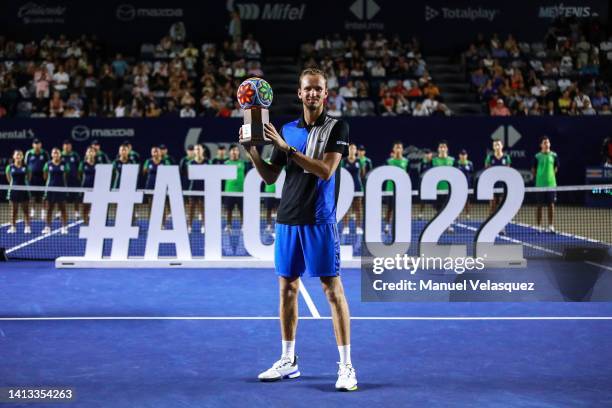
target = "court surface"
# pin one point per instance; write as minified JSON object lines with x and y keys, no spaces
{"x":195,"y":338}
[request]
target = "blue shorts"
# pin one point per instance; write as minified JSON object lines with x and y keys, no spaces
{"x":311,"y":248}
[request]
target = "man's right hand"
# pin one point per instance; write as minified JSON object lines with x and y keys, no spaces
{"x":250,"y":150}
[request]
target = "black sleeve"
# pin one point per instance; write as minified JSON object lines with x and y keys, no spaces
{"x":338,"y":139}
{"x":278,"y":157}
{"x":556,"y":162}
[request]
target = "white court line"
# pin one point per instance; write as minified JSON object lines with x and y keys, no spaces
{"x":41,"y":237}
{"x":8,"y":223}
{"x":550,"y":251}
{"x":424,"y":318}
{"x":311,"y":306}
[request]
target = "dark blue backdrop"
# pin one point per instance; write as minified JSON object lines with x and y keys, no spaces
{"x":440,"y":24}
{"x":576,"y":140}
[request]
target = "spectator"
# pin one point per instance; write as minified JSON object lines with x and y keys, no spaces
{"x":588,"y":109}
{"x":581,"y":99}
{"x":500,"y":109}
{"x":251,"y":47}
{"x":61,"y":80}
{"x":430,"y":104}
{"x":56,"y":105}
{"x":120,"y":109}
{"x":352,"y":108}
{"x":187,"y":112}
{"x":235,"y":26}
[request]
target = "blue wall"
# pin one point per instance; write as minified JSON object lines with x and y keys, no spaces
{"x":576,"y":140}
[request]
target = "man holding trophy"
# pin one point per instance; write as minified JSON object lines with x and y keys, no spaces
{"x":310,"y":148}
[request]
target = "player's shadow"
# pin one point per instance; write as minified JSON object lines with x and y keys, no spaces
{"x":329,"y":385}
{"x":302,"y":378}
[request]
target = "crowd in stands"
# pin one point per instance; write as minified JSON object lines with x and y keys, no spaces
{"x":377,"y":75}
{"x":567,"y":73}
{"x":62,"y":77}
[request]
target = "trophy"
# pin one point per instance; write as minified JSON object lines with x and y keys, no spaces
{"x":255,"y":97}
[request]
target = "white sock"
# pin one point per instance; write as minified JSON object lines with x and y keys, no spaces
{"x":288,"y":349}
{"x":345,"y":354}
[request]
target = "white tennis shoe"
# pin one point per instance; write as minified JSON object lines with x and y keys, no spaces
{"x":283,"y":368}
{"x":347,"y":378}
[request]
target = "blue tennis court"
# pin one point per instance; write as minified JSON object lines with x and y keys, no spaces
{"x":194,"y":338}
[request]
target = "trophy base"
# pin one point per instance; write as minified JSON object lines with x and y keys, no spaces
{"x":253,"y":135}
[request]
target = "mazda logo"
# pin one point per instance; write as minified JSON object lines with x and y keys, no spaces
{"x":80,"y":133}
{"x":126,"y":12}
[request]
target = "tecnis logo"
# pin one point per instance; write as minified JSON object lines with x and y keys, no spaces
{"x":561,"y":10}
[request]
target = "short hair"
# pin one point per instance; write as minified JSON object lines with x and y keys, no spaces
{"x":498,"y":141}
{"x":312,"y":71}
{"x":398,"y":142}
{"x":543,"y":138}
{"x":443,"y":142}
{"x":127,"y":146}
{"x":233,"y":146}
{"x":221,"y":147}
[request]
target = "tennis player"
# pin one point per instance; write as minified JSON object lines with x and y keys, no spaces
{"x":310,"y":149}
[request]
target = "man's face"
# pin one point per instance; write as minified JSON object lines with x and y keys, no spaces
{"x":67,"y":147}
{"x":442,"y":150}
{"x":234,"y":153}
{"x":352,"y":150}
{"x":155,"y":153}
{"x":123,"y":152}
{"x":164,"y":152}
{"x":191,"y":153}
{"x":545,"y":145}
{"x":55,"y":154}
{"x":221,"y":152}
{"x":398,"y":149}
{"x":361,"y":153}
{"x":37,"y":146}
{"x":198,"y":151}
{"x":497,"y":146}
{"x":313,"y":91}
{"x":463,"y":157}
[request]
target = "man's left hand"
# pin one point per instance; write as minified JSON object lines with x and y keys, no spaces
{"x":275,"y":137}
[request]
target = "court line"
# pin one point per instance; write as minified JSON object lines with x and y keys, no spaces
{"x":41,"y":237}
{"x":424,"y":318}
{"x":311,"y":306}
{"x":8,"y":223}
{"x":537,"y":247}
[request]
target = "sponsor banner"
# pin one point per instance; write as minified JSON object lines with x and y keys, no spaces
{"x":576,"y":148}
{"x":129,"y":24}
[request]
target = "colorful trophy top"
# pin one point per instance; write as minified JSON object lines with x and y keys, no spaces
{"x":254,"y":93}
